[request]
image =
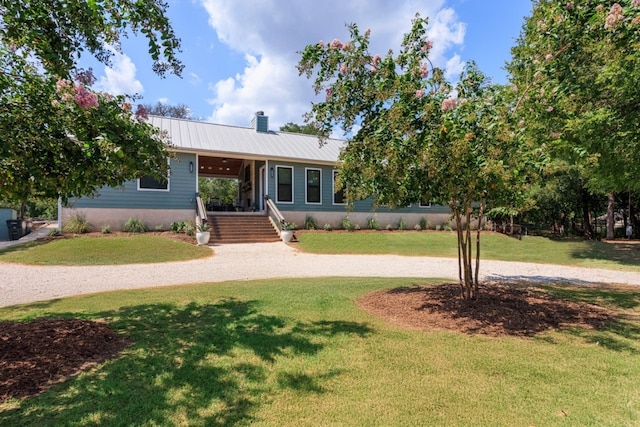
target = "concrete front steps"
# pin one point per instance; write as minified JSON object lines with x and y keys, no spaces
{"x":241,"y":228}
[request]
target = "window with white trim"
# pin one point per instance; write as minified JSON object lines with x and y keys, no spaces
{"x":426,"y":204}
{"x":151,"y":183}
{"x":313,"y":190}
{"x":284,"y":184}
{"x":338,"y":193}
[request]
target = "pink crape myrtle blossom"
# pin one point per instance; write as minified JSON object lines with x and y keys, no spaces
{"x":328,"y":93}
{"x":420,"y":93}
{"x":85,"y":98}
{"x":426,"y":46}
{"x":336,"y":44}
{"x":343,"y":68}
{"x":374,"y":70}
{"x":635,"y":3}
{"x":448,"y":104}
{"x":424,"y":71}
{"x":615,"y":15}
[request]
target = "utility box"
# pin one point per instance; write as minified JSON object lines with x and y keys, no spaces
{"x":6,"y":214}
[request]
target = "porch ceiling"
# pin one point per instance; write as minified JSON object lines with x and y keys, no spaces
{"x":219,"y":166}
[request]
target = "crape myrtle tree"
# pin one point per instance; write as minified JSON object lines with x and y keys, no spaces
{"x":61,"y":138}
{"x":577,"y":68}
{"x":412,"y":136}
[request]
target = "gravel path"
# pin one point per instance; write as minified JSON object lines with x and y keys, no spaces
{"x":24,"y":284}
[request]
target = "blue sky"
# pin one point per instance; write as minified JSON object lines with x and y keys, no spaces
{"x":240,"y":56}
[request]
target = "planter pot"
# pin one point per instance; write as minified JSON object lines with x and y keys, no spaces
{"x":286,"y":235}
{"x":202,"y":237}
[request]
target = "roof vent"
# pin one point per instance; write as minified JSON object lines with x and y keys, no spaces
{"x":260,"y":122}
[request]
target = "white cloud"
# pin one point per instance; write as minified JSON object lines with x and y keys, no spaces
{"x":120,"y":79}
{"x":163,"y":100}
{"x":271,"y":32}
{"x":194,"y":79}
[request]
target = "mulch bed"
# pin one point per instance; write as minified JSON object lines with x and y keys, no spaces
{"x":500,"y":310}
{"x":37,"y":354}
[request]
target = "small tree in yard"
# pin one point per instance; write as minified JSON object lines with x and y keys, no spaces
{"x":415,"y":135}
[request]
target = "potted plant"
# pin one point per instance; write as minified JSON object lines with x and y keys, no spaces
{"x":202,"y":234}
{"x":286,"y":234}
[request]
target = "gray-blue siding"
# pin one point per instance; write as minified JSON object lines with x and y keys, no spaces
{"x":326,"y":189}
{"x":181,"y":194}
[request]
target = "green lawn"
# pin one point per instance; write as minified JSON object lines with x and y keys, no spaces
{"x":300,"y":352}
{"x":495,"y":246}
{"x":107,"y":250}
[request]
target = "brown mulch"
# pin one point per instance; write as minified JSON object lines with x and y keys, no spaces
{"x":500,"y":310}
{"x":35,"y":355}
{"x":179,"y":237}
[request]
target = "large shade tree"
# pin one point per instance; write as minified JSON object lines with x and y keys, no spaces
{"x":577,"y":68}
{"x":60,"y":138}
{"x":413,"y":136}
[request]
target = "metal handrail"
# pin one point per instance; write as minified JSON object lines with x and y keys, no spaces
{"x":274,"y":213}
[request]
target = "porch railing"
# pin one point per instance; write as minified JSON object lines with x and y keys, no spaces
{"x":274,"y":213}
{"x":201,"y":212}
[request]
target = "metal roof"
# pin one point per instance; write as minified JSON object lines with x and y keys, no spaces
{"x":231,"y":141}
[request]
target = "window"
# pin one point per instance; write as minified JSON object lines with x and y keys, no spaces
{"x":314,"y":177}
{"x":426,"y":204}
{"x":284,"y":184}
{"x":338,"y":193}
{"x":150,"y":183}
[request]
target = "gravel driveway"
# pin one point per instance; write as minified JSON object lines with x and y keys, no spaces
{"x":24,"y":284}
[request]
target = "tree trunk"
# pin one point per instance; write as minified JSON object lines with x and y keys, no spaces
{"x":611,"y":220}
{"x":587,"y":229}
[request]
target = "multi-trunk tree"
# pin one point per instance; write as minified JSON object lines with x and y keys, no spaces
{"x":413,"y":136}
{"x":60,"y":138}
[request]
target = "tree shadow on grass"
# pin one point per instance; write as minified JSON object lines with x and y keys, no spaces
{"x":199,"y":364}
{"x":619,"y":252}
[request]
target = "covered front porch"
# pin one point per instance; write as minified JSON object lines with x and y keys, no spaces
{"x":231,"y":184}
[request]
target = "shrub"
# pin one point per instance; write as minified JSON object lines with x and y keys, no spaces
{"x":289,"y":225}
{"x":438,"y":227}
{"x":417,"y":227}
{"x":190,"y":227}
{"x":310,"y":223}
{"x":402,"y":224}
{"x":77,"y":224}
{"x":159,"y":227}
{"x":54,"y":232}
{"x":446,"y":226}
{"x":327,"y":227}
{"x":347,"y":224}
{"x":177,"y":226}
{"x":106,"y":229}
{"x":134,"y":225}
{"x":424,"y":224}
{"x":372,"y":224}
{"x":389,"y":227}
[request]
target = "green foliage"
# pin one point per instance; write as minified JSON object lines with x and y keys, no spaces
{"x":189,"y":227}
{"x":222,"y":190}
{"x":289,"y":225}
{"x":310,"y":223}
{"x":77,"y":224}
{"x":424,"y":224}
{"x":54,"y":232}
{"x":372,"y":224}
{"x":415,"y":135}
{"x":60,"y":137}
{"x":203,"y":226}
{"x":106,"y":229}
{"x":307,"y":129}
{"x":327,"y":227}
{"x":402,"y":224}
{"x":159,"y":227}
{"x":134,"y":225}
{"x":576,"y":88}
{"x":177,"y":226}
{"x":347,"y":224}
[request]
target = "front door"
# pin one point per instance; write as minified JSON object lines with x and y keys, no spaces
{"x":261,"y":185}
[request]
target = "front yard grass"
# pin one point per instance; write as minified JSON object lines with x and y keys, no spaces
{"x":576,"y":252}
{"x":300,"y":352}
{"x":112,"y":250}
